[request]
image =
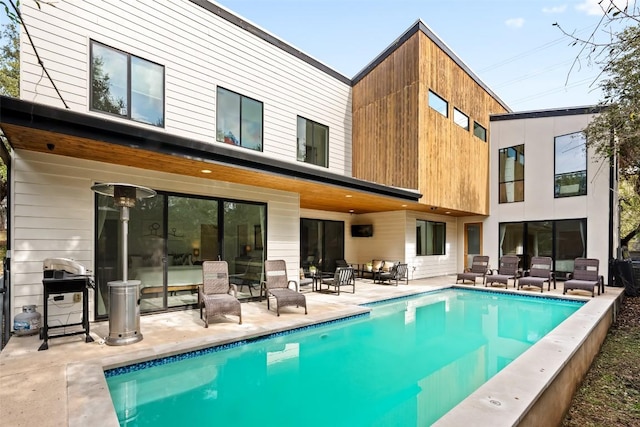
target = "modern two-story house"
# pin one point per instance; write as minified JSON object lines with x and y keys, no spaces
{"x":258,"y":151}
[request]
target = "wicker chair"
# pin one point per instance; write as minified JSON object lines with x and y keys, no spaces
{"x":508,"y":270}
{"x":276,"y":285}
{"x":215,"y":294}
{"x":541,"y":271}
{"x":585,"y":276}
{"x":344,"y":276}
{"x":479,"y":269}
{"x":399,"y":273}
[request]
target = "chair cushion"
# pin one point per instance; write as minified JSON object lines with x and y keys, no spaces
{"x":377,"y":264}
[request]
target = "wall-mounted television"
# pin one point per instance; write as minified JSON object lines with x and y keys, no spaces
{"x":362,"y":230}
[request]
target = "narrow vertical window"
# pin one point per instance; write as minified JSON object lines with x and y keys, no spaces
{"x":511,"y":174}
{"x":313,"y":142}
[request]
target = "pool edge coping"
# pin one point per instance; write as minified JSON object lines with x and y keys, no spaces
{"x":89,"y":401}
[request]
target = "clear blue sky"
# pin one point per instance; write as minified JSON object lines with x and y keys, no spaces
{"x":510,"y":44}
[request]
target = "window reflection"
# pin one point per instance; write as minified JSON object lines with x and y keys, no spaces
{"x":570,"y":165}
{"x":511,"y":172}
{"x":111,"y":71}
{"x":562,"y":240}
{"x":238,"y":120}
{"x":169,"y":238}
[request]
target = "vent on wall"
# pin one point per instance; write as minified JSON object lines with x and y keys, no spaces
{"x":363,"y":230}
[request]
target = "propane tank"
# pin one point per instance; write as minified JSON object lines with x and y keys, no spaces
{"x":27,"y":322}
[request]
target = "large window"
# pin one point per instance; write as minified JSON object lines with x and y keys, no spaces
{"x":430,"y":237}
{"x":511,"y":174}
{"x":562,"y":240}
{"x":438,"y":104}
{"x":126,"y":86}
{"x":169,"y":237}
{"x":313,"y":142}
{"x":570,"y":165}
{"x":239,"y":120}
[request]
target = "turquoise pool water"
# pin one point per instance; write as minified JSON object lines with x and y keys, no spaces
{"x":405,"y":364}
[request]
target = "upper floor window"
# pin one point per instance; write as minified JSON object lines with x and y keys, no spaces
{"x":430,"y":237}
{"x":239,"y":120}
{"x":570,"y":165}
{"x":511,"y":174}
{"x":479,"y":131}
{"x":126,"y":85}
{"x":313,"y":142}
{"x":438,"y":104}
{"x":461,"y":119}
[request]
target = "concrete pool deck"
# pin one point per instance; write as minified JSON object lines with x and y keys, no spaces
{"x":65,"y":384}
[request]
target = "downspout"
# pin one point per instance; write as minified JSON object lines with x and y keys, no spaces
{"x":612,"y":191}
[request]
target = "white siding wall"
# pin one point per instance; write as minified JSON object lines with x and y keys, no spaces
{"x":199,"y":51}
{"x":537,"y":134}
{"x":53,"y":216}
{"x":394,"y":239}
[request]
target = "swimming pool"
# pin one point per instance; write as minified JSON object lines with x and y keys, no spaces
{"x":406,"y":363}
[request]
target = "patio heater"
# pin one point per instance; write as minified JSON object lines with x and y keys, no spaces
{"x":124,"y":295}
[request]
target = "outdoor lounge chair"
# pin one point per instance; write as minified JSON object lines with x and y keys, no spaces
{"x":479,"y":269}
{"x":276,"y":285}
{"x":508,"y":270}
{"x":344,"y":276}
{"x":541,"y":271}
{"x":215,"y":293}
{"x":585,"y":276}
{"x":399,"y":273}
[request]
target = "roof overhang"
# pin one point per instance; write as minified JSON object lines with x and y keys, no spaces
{"x":42,"y":128}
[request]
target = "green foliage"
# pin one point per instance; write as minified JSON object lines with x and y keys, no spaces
{"x":616,"y":131}
{"x":10,"y":61}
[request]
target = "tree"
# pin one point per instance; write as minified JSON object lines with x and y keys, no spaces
{"x":9,"y":86}
{"x":614,"y":134}
{"x":10,"y":61}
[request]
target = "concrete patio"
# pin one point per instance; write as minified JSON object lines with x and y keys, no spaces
{"x":65,"y":385}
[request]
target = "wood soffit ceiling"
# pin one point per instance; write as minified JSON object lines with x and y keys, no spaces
{"x":46,"y":136}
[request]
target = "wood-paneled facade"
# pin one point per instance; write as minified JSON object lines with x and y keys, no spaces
{"x":386,"y":147}
{"x":398,"y":140}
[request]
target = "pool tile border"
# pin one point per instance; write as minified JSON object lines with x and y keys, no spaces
{"x":109,"y":373}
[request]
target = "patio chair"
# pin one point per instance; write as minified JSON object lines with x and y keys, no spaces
{"x":508,"y":270}
{"x":541,"y":271}
{"x":398,"y":273}
{"x":479,"y":269}
{"x":215,"y":292}
{"x":585,"y":276}
{"x":344,"y":276}
{"x":276,"y":285}
{"x":304,"y":280}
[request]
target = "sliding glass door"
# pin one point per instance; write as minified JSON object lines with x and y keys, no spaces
{"x":169,"y":238}
{"x":321,"y":243}
{"x":562,"y":240}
